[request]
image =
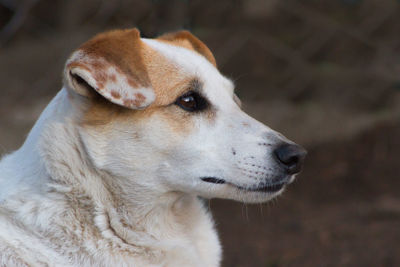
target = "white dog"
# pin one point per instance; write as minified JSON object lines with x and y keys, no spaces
{"x":112,"y":172}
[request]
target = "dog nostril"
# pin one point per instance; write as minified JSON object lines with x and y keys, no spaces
{"x":291,"y":156}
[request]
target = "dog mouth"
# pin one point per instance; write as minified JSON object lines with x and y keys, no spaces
{"x":264,"y":188}
{"x":213,"y":180}
{"x":267,"y":188}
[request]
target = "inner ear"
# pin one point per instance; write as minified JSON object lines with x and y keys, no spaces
{"x":81,"y":86}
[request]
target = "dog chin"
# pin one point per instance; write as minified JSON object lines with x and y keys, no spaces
{"x":257,"y":197}
{"x":228,"y":191}
{"x":251,"y":196}
{"x":219,"y":188}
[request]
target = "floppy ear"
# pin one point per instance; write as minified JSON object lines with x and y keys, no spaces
{"x":188,"y":40}
{"x":111,"y":65}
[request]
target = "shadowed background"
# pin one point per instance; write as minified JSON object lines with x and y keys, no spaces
{"x":324,"y":73}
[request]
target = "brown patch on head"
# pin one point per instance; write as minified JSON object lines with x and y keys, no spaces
{"x":101,"y":113}
{"x":167,"y":79}
{"x":175,"y":119}
{"x":189,"y":41}
{"x":142,"y":66}
{"x":116,"y":58}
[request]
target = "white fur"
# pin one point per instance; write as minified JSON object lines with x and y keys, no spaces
{"x":94,"y":196}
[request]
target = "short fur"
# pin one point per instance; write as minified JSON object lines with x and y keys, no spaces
{"x":111,"y":173}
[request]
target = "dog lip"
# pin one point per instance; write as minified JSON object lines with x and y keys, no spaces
{"x":213,"y":180}
{"x":265,"y":188}
{"x":268,"y":188}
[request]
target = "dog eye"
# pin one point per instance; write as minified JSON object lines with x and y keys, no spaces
{"x":191,"y":101}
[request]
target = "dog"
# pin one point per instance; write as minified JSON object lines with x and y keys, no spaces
{"x":114,"y":171}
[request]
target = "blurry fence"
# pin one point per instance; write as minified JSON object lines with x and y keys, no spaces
{"x":355,"y":39}
{"x":339,"y":56}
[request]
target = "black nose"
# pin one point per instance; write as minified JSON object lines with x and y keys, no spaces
{"x":291,"y":157}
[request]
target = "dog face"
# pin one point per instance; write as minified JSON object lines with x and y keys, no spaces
{"x":160,"y":117}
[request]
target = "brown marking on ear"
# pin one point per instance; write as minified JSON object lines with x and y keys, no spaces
{"x":96,"y":68}
{"x":98,"y":65}
{"x":113,"y":78}
{"x":140,"y":97}
{"x":133,"y":102}
{"x":101,"y":78}
{"x":79,"y":65}
{"x":115,"y":94}
{"x":121,"y":48}
{"x":112,"y":63}
{"x":188,"y":40}
{"x":132,"y":83}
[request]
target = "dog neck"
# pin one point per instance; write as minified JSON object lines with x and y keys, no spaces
{"x":134,"y":222}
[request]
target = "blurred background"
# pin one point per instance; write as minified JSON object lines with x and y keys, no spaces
{"x":324,"y":73}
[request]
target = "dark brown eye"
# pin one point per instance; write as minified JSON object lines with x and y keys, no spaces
{"x":187,"y":102}
{"x":192,"y":101}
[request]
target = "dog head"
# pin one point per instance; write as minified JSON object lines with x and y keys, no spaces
{"x":158,"y":115}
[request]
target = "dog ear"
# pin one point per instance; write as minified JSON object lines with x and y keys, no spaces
{"x":111,"y":64}
{"x":188,"y":40}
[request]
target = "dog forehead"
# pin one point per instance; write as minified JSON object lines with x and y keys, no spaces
{"x":185,"y":64}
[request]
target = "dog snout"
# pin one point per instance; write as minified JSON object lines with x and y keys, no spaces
{"x":291,"y":157}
